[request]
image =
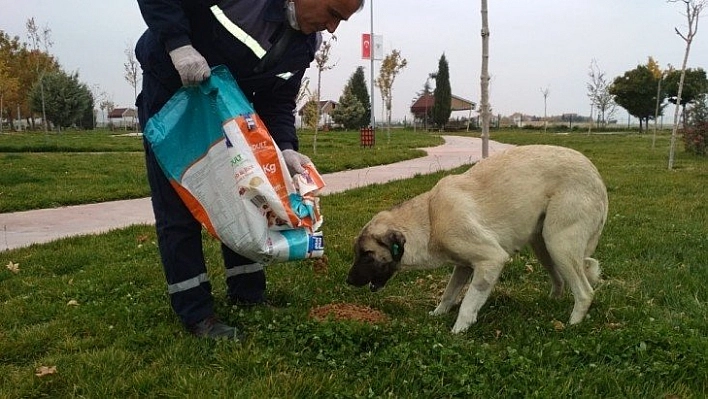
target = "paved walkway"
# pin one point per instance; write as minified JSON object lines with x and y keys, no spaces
{"x":22,"y":229}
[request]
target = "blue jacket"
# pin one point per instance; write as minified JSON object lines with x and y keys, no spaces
{"x":234,"y":33}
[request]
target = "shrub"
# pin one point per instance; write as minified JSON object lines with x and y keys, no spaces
{"x":695,"y":138}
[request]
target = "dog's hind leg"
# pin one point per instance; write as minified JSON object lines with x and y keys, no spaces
{"x":539,"y":248}
{"x":570,"y":263}
{"x":486,"y":274}
{"x":460,"y":275}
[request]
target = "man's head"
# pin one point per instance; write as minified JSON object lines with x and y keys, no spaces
{"x":318,"y":15}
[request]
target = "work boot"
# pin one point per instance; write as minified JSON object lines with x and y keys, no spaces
{"x":213,"y":328}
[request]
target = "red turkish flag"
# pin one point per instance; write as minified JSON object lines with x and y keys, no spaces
{"x":366,"y":46}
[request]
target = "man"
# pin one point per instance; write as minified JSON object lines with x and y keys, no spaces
{"x":267,"y":45}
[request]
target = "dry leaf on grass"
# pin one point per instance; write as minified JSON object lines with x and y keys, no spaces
{"x":13,"y":267}
{"x":558,"y":325}
{"x":41,"y":371}
{"x":72,"y":302}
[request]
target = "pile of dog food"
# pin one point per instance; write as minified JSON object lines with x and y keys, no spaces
{"x":347,"y":311}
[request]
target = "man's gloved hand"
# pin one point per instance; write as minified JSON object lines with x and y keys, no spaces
{"x":192,"y":67}
{"x":295,"y":161}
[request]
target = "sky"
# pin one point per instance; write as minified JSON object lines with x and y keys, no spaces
{"x":534,"y":46}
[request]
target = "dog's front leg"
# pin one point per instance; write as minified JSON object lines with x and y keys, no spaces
{"x":485,"y":276}
{"x":460,"y":276}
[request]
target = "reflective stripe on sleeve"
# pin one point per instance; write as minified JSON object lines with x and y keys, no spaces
{"x":243,"y":269}
{"x":285,"y":75}
{"x":187,"y":284}
{"x":237,"y":32}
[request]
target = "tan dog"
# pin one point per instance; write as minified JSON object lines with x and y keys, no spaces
{"x":550,"y":197}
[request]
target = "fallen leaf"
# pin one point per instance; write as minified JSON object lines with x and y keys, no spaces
{"x":41,"y":371}
{"x":497,"y":334}
{"x":13,"y":267}
{"x":72,"y":302}
{"x":558,"y":325}
{"x":529,"y":268}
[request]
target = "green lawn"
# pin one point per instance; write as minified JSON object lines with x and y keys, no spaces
{"x":96,"y":307}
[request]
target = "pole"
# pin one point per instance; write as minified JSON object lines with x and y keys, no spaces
{"x":371,"y":33}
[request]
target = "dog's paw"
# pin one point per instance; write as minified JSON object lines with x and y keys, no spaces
{"x":459,"y":328}
{"x":440,"y":310}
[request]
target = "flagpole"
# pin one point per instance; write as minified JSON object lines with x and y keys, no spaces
{"x":371,"y":57}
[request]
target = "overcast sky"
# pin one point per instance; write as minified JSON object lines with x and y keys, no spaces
{"x":534,"y":45}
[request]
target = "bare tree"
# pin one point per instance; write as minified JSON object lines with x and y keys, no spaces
{"x":44,"y":39}
{"x":484,"y":81}
{"x":545,"y":92}
{"x":390,"y":68}
{"x":694,"y":8}
{"x":599,"y":94}
{"x":322,"y":62}
{"x":132,"y":72}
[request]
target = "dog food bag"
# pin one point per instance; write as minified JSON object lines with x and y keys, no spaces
{"x":229,"y":172}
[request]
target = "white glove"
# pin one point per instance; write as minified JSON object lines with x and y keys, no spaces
{"x":192,"y":67}
{"x":295,"y":161}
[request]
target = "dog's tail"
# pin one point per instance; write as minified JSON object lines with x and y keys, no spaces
{"x":592,"y":270}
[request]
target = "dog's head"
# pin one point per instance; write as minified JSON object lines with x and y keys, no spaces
{"x":377,"y":256}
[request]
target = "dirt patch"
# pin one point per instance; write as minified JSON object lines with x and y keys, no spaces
{"x":347,"y":311}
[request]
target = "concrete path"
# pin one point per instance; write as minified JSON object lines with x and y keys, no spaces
{"x":20,"y":229}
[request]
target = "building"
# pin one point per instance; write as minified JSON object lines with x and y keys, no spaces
{"x":123,"y":118}
{"x":424,"y":104}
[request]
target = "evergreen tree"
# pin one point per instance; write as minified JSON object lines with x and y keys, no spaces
{"x":66,"y":99}
{"x":349,"y":111}
{"x":357,"y":83}
{"x":442,"y":108}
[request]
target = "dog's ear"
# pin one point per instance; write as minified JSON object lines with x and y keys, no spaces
{"x":396,"y":244}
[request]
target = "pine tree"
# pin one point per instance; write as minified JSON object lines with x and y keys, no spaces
{"x":349,"y":111}
{"x":357,"y":83}
{"x":442,"y":108}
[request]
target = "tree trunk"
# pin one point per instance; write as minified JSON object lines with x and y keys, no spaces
{"x":484,"y":81}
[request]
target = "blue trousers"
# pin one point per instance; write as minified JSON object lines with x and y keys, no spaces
{"x":179,"y":237}
{"x":179,"y":234}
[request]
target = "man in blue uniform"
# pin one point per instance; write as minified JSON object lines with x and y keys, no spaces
{"x":267,"y":45}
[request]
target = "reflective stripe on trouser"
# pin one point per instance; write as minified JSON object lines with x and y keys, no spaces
{"x":245,"y":279}
{"x":179,"y":238}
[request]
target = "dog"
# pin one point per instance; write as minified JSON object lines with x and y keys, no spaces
{"x":550,"y":197}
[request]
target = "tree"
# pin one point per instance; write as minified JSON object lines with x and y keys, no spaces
{"x":311,"y":113}
{"x":635,"y":91}
{"x":45,"y":40}
{"x":442,"y":106}
{"x":545,"y":92}
{"x":391,"y":66}
{"x":349,"y":111}
{"x":695,"y":131}
{"x":132,"y":71}
{"x":357,"y":83}
{"x":425,"y":93}
{"x":66,"y":99}
{"x":694,"y":8}
{"x":8,"y":88}
{"x":26,"y":66}
{"x":484,"y":109}
{"x":322,"y":63}
{"x":599,"y":94}
{"x":695,"y":84}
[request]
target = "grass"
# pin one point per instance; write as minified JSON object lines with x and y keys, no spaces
{"x":645,"y":337}
{"x":45,"y":170}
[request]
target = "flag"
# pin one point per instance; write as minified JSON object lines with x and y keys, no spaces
{"x":378,"y":47}
{"x":366,"y":46}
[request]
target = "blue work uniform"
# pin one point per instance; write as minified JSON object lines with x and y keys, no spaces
{"x":253,"y":39}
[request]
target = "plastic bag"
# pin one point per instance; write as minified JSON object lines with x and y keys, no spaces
{"x":227,"y":169}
